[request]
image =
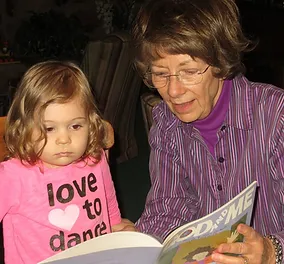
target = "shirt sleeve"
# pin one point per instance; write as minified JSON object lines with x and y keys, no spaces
{"x":112,"y":204}
{"x":10,"y":189}
{"x":277,"y":168}
{"x":171,"y":201}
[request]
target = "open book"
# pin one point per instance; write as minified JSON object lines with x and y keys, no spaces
{"x":190,"y":243}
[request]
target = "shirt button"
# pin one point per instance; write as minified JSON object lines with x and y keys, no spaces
{"x":223,"y":128}
{"x":219,"y":187}
{"x":221,"y":159}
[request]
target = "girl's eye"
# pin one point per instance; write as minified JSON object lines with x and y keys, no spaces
{"x":76,"y":127}
{"x":49,"y":129}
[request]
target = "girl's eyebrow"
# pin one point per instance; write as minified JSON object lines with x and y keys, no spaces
{"x":73,"y":119}
{"x":80,"y":117}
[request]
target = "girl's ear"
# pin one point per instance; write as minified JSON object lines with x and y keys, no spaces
{"x":109,"y":134}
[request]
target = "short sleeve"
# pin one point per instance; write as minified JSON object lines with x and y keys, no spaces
{"x":112,"y":204}
{"x":10,"y":189}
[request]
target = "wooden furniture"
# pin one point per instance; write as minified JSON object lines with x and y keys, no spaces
{"x":116,"y":84}
{"x":8,"y":71}
{"x":2,"y":155}
{"x":2,"y":143}
{"x":148,"y":101}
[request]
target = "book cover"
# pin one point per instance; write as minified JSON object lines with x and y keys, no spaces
{"x":191,"y":243}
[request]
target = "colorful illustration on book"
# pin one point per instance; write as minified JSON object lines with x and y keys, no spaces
{"x":199,"y":252}
{"x":200,"y":255}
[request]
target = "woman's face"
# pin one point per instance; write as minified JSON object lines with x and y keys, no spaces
{"x":188,"y":102}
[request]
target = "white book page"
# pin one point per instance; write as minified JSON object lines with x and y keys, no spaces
{"x":126,"y":239}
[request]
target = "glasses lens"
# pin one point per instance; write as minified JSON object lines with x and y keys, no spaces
{"x":191,"y":79}
{"x":155,"y":81}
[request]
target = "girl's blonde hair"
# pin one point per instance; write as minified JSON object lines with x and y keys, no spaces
{"x":43,"y":84}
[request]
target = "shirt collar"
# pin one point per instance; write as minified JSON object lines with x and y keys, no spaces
{"x":239,"y":114}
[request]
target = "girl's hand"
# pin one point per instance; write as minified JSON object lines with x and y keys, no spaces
{"x":124,"y":225}
{"x":254,"y":250}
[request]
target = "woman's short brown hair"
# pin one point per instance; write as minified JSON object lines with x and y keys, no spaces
{"x":204,"y":29}
{"x":43,"y":84}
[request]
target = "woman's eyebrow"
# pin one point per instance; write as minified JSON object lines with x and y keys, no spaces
{"x":180,"y":64}
{"x":185,"y":62}
{"x":159,"y":66}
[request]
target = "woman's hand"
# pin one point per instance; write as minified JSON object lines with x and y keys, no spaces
{"x":124,"y":225}
{"x":255,"y":249}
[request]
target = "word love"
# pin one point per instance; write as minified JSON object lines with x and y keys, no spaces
{"x":65,"y":193}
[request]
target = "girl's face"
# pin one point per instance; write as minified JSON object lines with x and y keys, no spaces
{"x":67,"y":129}
{"x":188,"y":102}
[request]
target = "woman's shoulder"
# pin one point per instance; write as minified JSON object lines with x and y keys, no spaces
{"x":261,"y":91}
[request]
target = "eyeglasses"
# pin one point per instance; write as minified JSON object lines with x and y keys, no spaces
{"x":161,"y":79}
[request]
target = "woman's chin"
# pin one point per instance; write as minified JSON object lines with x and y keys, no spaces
{"x":186,"y":117}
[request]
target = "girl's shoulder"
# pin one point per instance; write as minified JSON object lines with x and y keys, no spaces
{"x":13,"y":173}
{"x":90,"y":160}
{"x":14,"y":170}
{"x":14,"y":164}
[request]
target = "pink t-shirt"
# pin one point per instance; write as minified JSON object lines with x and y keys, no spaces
{"x":47,"y":212}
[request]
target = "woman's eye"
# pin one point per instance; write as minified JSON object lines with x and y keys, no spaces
{"x":188,"y":72}
{"x":160,"y":74}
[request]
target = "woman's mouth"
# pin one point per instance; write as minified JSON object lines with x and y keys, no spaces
{"x":183,"y":108}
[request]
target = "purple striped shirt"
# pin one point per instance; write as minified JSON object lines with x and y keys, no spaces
{"x":188,"y":182}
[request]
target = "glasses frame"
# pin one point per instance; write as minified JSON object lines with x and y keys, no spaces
{"x":169,"y":76}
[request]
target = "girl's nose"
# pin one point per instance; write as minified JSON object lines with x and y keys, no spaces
{"x":63,"y":138}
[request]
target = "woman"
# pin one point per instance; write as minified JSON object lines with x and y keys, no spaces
{"x":215,"y":131}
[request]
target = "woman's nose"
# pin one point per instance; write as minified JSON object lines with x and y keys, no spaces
{"x":175,"y":87}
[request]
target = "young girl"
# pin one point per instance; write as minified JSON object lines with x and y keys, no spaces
{"x":56,"y":189}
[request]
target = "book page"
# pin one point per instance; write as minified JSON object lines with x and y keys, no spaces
{"x":197,"y":240}
{"x":133,"y":255}
{"x":107,"y":247}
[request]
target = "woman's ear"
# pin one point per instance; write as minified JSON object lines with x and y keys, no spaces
{"x":216,"y":73}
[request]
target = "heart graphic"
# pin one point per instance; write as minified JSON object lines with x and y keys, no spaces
{"x":64,"y":218}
